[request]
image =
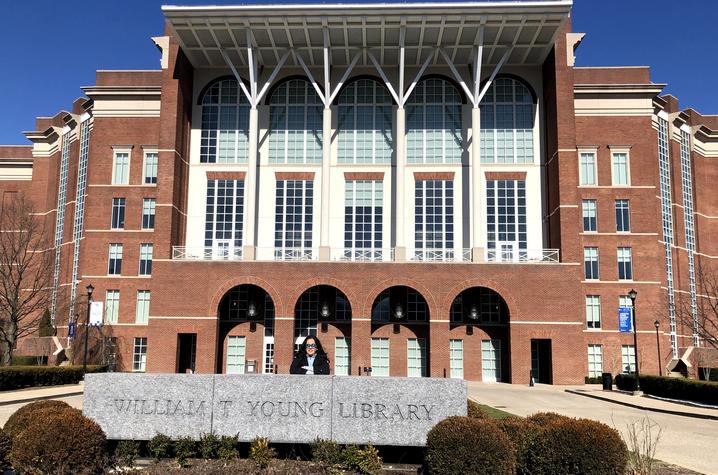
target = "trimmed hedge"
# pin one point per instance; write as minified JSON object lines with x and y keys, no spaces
{"x":21,"y":418}
{"x":469,"y":445}
{"x":18,"y":377}
{"x":673,"y":388}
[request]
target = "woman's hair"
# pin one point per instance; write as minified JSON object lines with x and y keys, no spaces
{"x":320,"y":349}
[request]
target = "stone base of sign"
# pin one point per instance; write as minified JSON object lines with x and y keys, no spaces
{"x":283,"y":408}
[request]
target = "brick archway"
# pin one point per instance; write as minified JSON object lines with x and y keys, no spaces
{"x":217,"y":297}
{"x":293,"y":297}
{"x":446,"y":302}
{"x":385,"y":284}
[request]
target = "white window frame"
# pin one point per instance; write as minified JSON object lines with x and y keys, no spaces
{"x":626,"y":258}
{"x":148,"y":152}
{"x":416,"y":357}
{"x":456,"y":359}
{"x":593,"y":312}
{"x":147,"y":250}
{"x":380,"y":364}
{"x":241,"y":354}
{"x":581,"y":178}
{"x":595,"y":360}
{"x":149,"y":208}
{"x":342,"y":356}
{"x":627,"y":223}
{"x":142,"y":306}
{"x":115,"y":249}
{"x":139,"y":355}
{"x":112,"y":306}
{"x":116,"y":151}
{"x":620,"y":151}
{"x":586,"y":251}
{"x":628,"y":359}
{"x":587,"y":206}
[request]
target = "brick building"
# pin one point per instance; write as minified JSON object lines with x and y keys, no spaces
{"x":434,"y":190}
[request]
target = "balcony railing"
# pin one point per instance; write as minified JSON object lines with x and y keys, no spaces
{"x":439,"y":255}
{"x":522,"y":255}
{"x":362,"y":254}
{"x":207,"y":253}
{"x":287,"y":254}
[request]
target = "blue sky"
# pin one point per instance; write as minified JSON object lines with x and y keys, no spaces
{"x":48,"y":49}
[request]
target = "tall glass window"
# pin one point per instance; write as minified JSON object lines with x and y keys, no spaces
{"x":121,"y":168}
{"x":433,"y":123}
{"x":224,"y":213}
{"x":507,"y":121}
{"x":150,"y":168}
{"x":621,"y":174}
{"x":112,"y":306}
{"x":114,"y":264}
{"x":593,"y":311}
{"x":590,"y":263}
{"x":295,"y":124}
{"x":148,"y":213}
{"x":142,"y":309}
{"x":587,"y":169}
{"x":433,"y":219}
{"x":690,"y":231}
{"x":380,"y":357}
{"x":118,"y":213}
{"x":139,"y":354}
{"x":506,"y":230}
{"x":365,"y":123}
{"x":456,"y":359}
{"x":293,"y":219}
{"x":225,"y":124}
{"x":589,"y":216}
{"x":146,"y":251}
{"x":363,"y":216}
{"x":79,"y":217}
{"x":236,"y":354}
{"x":342,"y":356}
{"x":628,"y":359}
{"x":623,"y":216}
{"x":625,"y":267}
{"x":416,"y":357}
{"x":595,"y":361}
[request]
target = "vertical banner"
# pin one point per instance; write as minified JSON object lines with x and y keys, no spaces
{"x":96,"y":313}
{"x":625,"y":322}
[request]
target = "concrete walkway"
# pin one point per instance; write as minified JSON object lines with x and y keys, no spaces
{"x":685,"y":441}
{"x":35,"y":394}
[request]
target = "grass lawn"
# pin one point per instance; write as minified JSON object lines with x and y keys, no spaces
{"x":494,"y":413}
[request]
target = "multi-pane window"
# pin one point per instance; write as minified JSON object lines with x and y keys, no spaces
{"x":79,"y":217}
{"x":363,"y":215}
{"x":121,"y":168}
{"x":142,"y":309}
{"x":365,"y":123}
{"x":60,"y":218}
{"x":416,"y":308}
{"x":623,"y":216}
{"x":433,"y":123}
{"x":293,"y":219}
{"x":456,"y":359}
{"x":628,"y":359}
{"x":380,"y":357}
{"x":506,"y":232}
{"x":593,"y":311}
{"x":587,"y":168}
{"x":306,"y":314}
{"x":114,"y":264}
{"x":269,"y":358}
{"x":507,"y":120}
{"x":621,"y":174}
{"x":224,"y":217}
{"x":625,"y":301}
{"x":595,"y":361}
{"x":433,"y":219}
{"x":139,"y":354}
{"x":295,"y":124}
{"x":236,"y":353}
{"x":590,"y":262}
{"x":118,"y":213}
{"x":225,"y":124}
{"x":112,"y":306}
{"x":589,"y":216}
{"x":150,"y":169}
{"x":416,"y":357}
{"x":146,"y":251}
{"x":148,"y":213}
{"x":342,"y":356}
{"x":625,"y":268}
{"x":690,"y":231}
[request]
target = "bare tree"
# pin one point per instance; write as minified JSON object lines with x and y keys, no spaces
{"x":705,"y":323}
{"x":25,"y":272}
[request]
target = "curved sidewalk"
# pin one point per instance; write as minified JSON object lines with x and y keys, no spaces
{"x":35,"y":394}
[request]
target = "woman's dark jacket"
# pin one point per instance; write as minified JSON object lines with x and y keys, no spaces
{"x":321,"y":364}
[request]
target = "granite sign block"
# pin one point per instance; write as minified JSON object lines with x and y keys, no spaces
{"x":283,"y":408}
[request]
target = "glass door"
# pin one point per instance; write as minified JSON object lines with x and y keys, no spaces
{"x":491,"y":360}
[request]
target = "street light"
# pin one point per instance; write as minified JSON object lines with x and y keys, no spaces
{"x":90,"y":289}
{"x":658,"y":345}
{"x":633,"y":294}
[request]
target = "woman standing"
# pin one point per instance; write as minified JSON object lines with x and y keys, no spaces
{"x":311,"y":358}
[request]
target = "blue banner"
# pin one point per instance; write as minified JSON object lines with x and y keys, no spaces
{"x":625,"y":322}
{"x":71,"y":330}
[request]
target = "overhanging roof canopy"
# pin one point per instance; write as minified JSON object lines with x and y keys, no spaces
{"x":526,"y":29}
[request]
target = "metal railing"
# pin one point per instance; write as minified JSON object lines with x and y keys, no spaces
{"x":522,"y":256}
{"x":439,"y":255}
{"x":207,"y":253}
{"x":287,"y":254}
{"x":362,"y":254}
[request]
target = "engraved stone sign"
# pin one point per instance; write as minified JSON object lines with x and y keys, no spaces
{"x":283,"y":408}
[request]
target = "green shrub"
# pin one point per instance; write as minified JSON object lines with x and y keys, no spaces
{"x":369,"y":461}
{"x":18,"y":377}
{"x":673,"y":388}
{"x":327,"y":451}
{"x":260,"y":452}
{"x":160,"y":447}
{"x":351,"y":456}
{"x":228,"y":448}
{"x":544,"y":419}
{"x":5,"y":447}
{"x":625,"y":382}
{"x":526,"y":437}
{"x":209,"y":446}
{"x":185,"y":449}
{"x":126,"y":453}
{"x":467,"y":445}
{"x":28,"y":360}
{"x":45,"y":327}
{"x":474,"y":410}
{"x":20,"y":419}
{"x":593,"y":380}
{"x":59,"y":442}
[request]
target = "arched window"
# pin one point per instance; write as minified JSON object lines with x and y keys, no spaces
{"x":433,"y":123}
{"x":507,"y":121}
{"x":295,"y":124}
{"x":225,"y":124}
{"x":365,"y":131}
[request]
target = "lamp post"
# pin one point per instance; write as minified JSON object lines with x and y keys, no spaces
{"x":658,"y":345}
{"x":90,"y":289}
{"x":633,"y":294}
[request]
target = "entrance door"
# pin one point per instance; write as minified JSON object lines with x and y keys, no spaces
{"x":186,"y":352}
{"x":491,"y":360}
{"x":541,"y":366}
{"x":268,"y":355}
{"x":236,"y":349}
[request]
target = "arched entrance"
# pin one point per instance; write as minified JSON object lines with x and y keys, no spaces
{"x":246,"y":331}
{"x":324,"y":311}
{"x":479,"y":348}
{"x":400,"y":333}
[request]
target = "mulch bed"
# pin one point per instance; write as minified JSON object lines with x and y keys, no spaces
{"x":240,"y":467}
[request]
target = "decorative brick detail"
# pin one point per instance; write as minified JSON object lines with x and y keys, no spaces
{"x":226,"y":175}
{"x":419,"y":176}
{"x":349,"y":176}
{"x":294,"y":175}
{"x":505,"y":175}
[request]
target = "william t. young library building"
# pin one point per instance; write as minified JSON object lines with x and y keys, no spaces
{"x":431,"y":189}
